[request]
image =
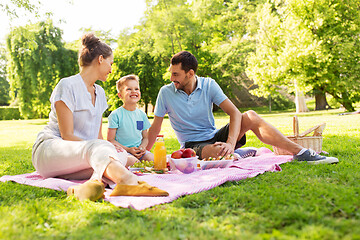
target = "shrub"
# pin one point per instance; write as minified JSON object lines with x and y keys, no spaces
{"x":280,"y":102}
{"x":9,"y":113}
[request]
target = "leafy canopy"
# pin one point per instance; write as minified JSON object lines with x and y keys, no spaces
{"x":37,"y":60}
{"x":315,"y":44}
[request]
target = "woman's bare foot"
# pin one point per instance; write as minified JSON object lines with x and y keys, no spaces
{"x":117,"y":173}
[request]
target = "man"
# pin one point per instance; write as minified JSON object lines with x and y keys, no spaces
{"x":188,"y":101}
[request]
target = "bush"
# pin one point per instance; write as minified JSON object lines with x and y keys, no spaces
{"x":280,"y":102}
{"x":9,"y":113}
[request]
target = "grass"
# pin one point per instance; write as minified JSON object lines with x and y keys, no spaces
{"x":300,"y":202}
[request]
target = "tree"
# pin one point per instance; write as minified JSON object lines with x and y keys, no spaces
{"x":212,"y":30}
{"x":224,"y":28}
{"x":336,"y":25}
{"x":11,"y":6}
{"x":170,"y":24}
{"x":312,"y":43}
{"x":37,"y":60}
{"x":105,"y":36}
{"x":134,"y":57}
{"x":4,"y":85}
{"x":264,"y":64}
{"x":147,"y":51}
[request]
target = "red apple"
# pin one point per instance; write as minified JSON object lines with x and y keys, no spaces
{"x":188,"y":152}
{"x":177,"y":154}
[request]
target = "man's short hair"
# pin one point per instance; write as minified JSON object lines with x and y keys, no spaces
{"x":121,"y":81}
{"x":187,"y":60}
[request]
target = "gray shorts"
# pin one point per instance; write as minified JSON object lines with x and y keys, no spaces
{"x":220,"y":136}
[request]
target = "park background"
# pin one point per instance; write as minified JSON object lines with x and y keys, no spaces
{"x":264,"y":54}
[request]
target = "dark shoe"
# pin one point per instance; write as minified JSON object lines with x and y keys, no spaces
{"x":246,"y":152}
{"x":312,"y":157}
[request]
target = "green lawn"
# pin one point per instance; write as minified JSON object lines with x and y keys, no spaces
{"x":300,"y":202}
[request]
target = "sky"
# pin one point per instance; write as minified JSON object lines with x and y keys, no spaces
{"x":71,"y":15}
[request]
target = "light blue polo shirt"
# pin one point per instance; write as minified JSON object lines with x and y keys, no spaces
{"x":129,"y":126}
{"x":191,"y":115}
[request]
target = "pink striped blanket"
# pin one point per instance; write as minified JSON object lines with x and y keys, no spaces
{"x":176,"y":185}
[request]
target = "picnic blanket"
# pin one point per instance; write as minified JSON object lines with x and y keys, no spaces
{"x":176,"y":185}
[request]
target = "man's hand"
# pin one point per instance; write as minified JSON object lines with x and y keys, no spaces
{"x":225,"y":148}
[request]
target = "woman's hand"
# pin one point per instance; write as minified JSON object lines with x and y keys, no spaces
{"x":119,"y":148}
{"x":111,"y":138}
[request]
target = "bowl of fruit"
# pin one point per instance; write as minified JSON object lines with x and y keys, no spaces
{"x":184,"y":160}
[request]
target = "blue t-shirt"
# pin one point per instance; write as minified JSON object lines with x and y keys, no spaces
{"x":129,"y":126}
{"x":191,"y":115}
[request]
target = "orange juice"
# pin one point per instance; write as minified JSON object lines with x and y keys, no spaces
{"x":160,"y":154}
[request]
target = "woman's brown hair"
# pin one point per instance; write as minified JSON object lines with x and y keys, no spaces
{"x":92,"y":47}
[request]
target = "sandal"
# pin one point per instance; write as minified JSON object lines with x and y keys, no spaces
{"x":143,"y":189}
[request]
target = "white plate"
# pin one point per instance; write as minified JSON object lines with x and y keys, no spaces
{"x":135,"y":169}
{"x":215,"y":164}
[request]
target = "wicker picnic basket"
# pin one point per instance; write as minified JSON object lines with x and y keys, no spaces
{"x":314,"y":142}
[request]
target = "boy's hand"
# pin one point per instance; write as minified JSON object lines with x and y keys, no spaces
{"x":142,"y":150}
{"x":136,"y":152}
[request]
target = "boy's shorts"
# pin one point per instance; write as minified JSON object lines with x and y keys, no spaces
{"x":141,"y":156}
{"x":220,"y":136}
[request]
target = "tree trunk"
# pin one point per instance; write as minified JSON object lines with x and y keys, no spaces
{"x":321,"y":102}
{"x":348,"y":105}
{"x":300,"y":102}
{"x":344,"y":101}
{"x":269,"y":103}
{"x":146,"y":108}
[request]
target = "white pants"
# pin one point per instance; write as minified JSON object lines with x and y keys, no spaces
{"x":56,"y":157}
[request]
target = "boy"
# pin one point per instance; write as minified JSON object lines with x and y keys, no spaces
{"x":128,"y":125}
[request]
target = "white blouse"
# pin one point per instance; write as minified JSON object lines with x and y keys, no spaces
{"x":87,"y":117}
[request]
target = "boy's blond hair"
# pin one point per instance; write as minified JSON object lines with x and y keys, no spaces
{"x":121,"y":81}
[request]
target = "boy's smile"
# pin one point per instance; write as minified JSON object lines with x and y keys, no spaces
{"x":135,"y":95}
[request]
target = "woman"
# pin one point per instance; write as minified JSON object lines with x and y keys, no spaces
{"x":71,"y":146}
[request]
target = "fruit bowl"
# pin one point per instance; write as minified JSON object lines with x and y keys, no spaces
{"x":184,"y":165}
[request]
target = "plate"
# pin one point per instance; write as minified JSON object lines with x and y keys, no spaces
{"x":215,"y":164}
{"x":135,"y":169}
